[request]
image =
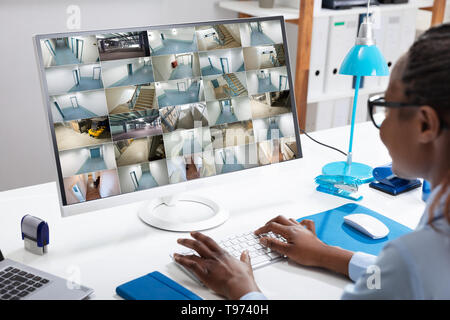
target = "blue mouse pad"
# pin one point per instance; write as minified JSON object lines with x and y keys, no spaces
{"x":330,"y":228}
{"x":155,"y":286}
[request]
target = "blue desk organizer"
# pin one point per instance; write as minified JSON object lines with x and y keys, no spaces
{"x":330,"y":228}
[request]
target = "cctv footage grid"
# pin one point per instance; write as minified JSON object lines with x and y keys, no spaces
{"x":137,"y":110}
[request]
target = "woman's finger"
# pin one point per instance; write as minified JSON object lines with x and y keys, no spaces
{"x":193,"y":264}
{"x":197,"y":246}
{"x":207,"y":241}
{"x":276,"y":245}
{"x":274,"y":227}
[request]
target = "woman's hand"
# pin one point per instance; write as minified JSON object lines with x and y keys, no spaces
{"x":216,"y":268}
{"x":303,"y":246}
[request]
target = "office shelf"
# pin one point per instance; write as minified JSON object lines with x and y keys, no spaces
{"x":303,"y":17}
{"x":252,"y":8}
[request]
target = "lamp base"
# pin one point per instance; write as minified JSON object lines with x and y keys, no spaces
{"x":357,"y":170}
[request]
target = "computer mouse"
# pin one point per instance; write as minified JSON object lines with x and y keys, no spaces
{"x":368,"y":225}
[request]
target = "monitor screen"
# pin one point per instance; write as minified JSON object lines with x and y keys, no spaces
{"x":134,"y":109}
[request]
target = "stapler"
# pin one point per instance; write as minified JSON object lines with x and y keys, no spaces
{"x":389,"y":183}
{"x":339,"y":185}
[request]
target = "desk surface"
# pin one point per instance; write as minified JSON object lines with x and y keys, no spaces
{"x":105,"y":248}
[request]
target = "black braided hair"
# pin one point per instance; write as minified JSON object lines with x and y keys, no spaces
{"x":427,"y":72}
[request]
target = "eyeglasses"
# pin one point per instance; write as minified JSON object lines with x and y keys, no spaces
{"x":379,"y":109}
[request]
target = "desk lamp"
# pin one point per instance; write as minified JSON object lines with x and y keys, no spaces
{"x":364,"y":59}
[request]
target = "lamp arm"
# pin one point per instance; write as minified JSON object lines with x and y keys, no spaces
{"x":352,"y":127}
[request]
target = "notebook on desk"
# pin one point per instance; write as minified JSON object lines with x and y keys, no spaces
{"x":330,"y":228}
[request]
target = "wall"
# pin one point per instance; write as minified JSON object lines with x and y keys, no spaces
{"x":88,"y":70}
{"x":72,"y":160}
{"x":275,"y":76}
{"x":213,"y":111}
{"x":242,"y":108}
{"x":126,"y":184}
{"x":183,"y":34}
{"x":94,"y":101}
{"x":246,"y":155}
{"x":260,"y":127}
{"x":19,"y":169}
{"x":158,"y":170}
{"x":252,"y":58}
{"x":162,"y":67}
{"x":114,"y":71}
{"x":154,"y":39}
{"x":109,"y":183}
{"x":47,"y":57}
{"x":117,"y":96}
{"x":108,"y":155}
{"x":286,"y":125}
{"x":252,"y":82}
{"x":90,"y":51}
{"x":59,"y":80}
{"x":272,"y":30}
{"x":69,"y":182}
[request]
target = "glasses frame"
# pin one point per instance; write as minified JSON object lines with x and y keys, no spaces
{"x":378,"y":101}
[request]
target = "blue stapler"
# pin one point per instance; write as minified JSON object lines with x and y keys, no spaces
{"x":339,"y":185}
{"x":388,"y":182}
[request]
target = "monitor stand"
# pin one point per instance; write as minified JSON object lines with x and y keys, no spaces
{"x":183,"y":213}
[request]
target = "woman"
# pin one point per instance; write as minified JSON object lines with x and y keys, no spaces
{"x":416,"y":132}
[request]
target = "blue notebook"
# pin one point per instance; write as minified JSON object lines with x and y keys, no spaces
{"x":330,"y":228}
{"x":155,"y":286}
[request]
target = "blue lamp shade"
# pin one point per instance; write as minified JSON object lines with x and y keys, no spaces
{"x":364,"y":60}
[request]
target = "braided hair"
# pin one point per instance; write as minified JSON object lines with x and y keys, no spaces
{"x":427,"y":81}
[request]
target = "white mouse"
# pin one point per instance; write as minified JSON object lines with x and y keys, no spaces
{"x":368,"y":225}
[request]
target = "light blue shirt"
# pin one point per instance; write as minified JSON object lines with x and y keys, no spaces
{"x":415,"y":266}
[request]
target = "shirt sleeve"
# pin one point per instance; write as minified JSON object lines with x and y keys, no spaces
{"x":256,"y":295}
{"x":387,"y":278}
{"x":358,"y":264}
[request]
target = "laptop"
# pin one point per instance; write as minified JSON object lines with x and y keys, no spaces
{"x":20,"y":282}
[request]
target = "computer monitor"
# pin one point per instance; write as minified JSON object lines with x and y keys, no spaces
{"x":142,"y":113}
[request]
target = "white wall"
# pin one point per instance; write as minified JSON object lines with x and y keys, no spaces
{"x":158,"y":169}
{"x":109,"y":183}
{"x":94,"y":101}
{"x":72,"y":160}
{"x":245,"y":34}
{"x":114,"y":71}
{"x":176,"y":168}
{"x":273,"y":30}
{"x":213,"y":111}
{"x":108,"y":155}
{"x":252,"y":82}
{"x":59,"y":79}
{"x":246,"y":155}
{"x":162,"y":67}
{"x":87,"y":70}
{"x":183,"y":34}
{"x":275,"y":76}
{"x":126,"y":184}
{"x":69,"y":182}
{"x":242,"y":108}
{"x":234,"y":30}
{"x":117,"y":96}
{"x":47,"y":57}
{"x":286,"y":125}
{"x":90,"y":49}
{"x":260,"y":127}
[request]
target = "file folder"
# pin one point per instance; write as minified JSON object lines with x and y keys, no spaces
{"x":318,"y":56}
{"x":341,"y":38}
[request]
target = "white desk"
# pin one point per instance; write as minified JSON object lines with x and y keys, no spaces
{"x":106,"y":248}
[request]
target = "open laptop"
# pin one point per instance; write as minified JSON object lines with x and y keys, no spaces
{"x":20,"y":282}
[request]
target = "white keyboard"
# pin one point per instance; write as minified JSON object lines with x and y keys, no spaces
{"x":260,"y":256}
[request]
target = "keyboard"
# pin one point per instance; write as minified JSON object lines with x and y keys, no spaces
{"x":260,"y":256}
{"x":16,"y":284}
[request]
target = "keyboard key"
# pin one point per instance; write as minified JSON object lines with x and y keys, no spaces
{"x":6,"y":282}
{"x":1,"y":285}
{"x":9,"y":287}
{"x":21,"y":287}
{"x":7,"y":275}
{"x":2,"y":273}
{"x":37,"y":278}
{"x":14,"y":291}
{"x":15,"y":270}
{"x":29,"y":276}
{"x":37,"y":285}
{"x":23,"y":294}
{"x":18,"y":279}
{"x":30,"y":282}
{"x":16,"y":283}
{"x":9,"y":268}
{"x":3,"y":291}
{"x":15,"y":298}
{"x":22,"y":273}
{"x":5,"y":297}
{"x":31,"y":289}
{"x":44,"y":281}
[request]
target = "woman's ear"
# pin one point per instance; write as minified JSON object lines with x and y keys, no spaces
{"x":429,"y":124}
